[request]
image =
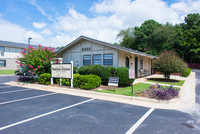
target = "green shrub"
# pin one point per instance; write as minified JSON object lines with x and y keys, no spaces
{"x":109,"y":71}
{"x":86,"y":81}
{"x":91,"y":69}
{"x":77,"y":79}
{"x":123,"y":74}
{"x":45,"y":78}
{"x":65,"y":82}
{"x":187,"y":72}
{"x":74,"y":70}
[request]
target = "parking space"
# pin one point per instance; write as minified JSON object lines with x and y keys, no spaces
{"x":32,"y":111}
{"x":68,"y":113}
{"x":167,"y":122}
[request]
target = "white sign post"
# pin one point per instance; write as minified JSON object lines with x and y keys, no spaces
{"x":72,"y":74}
{"x":64,"y":71}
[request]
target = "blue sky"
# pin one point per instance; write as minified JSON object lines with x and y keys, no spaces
{"x":58,"y":22}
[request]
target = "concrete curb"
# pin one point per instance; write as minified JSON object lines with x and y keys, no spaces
{"x":140,"y":101}
{"x":8,"y":75}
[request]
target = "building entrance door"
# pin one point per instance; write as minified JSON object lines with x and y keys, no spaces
{"x":136,"y":67}
{"x":127,"y":62}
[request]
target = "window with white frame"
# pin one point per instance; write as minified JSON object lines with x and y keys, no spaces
{"x":108,"y":59}
{"x":86,"y":60}
{"x":2,"y":63}
{"x":97,"y":59}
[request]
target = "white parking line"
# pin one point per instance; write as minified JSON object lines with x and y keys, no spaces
{"x":42,"y":115}
{"x":13,"y":91}
{"x":5,"y":86}
{"x":7,"y":102}
{"x":137,"y":124}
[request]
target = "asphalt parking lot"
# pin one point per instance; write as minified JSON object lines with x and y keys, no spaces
{"x":31,"y":111}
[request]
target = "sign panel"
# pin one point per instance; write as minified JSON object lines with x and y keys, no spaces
{"x":113,"y":81}
{"x":61,"y":71}
{"x":131,"y":74}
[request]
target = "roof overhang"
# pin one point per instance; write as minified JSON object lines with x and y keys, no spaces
{"x":81,"y":38}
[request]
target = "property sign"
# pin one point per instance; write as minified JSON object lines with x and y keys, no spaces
{"x":61,"y":71}
{"x":113,"y":81}
{"x":131,"y":74}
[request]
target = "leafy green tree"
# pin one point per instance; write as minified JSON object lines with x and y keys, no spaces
{"x":37,"y":60}
{"x":191,"y":37}
{"x":127,"y":38}
{"x":61,"y":47}
{"x":162,"y":39}
{"x":138,"y":38}
{"x":143,"y":35}
{"x":168,"y":62}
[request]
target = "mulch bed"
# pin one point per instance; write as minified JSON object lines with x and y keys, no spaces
{"x":103,"y":87}
{"x":143,"y":94}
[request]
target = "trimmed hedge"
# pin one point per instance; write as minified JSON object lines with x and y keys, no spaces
{"x":86,"y":81}
{"x":187,"y":72}
{"x":105,"y":72}
{"x":91,"y":69}
{"x":45,"y":78}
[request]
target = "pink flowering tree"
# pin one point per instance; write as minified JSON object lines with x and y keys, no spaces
{"x":37,"y":60}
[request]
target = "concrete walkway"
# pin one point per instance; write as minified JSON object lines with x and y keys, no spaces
{"x":144,"y":79}
{"x":160,"y":84}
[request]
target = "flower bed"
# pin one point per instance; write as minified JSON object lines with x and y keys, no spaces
{"x":146,"y":90}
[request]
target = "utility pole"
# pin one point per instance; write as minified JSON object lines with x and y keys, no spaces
{"x":29,"y":41}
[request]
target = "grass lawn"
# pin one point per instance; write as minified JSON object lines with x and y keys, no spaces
{"x":163,"y":81}
{"x":137,"y":88}
{"x":4,"y":72}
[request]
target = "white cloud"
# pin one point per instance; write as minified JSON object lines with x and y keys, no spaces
{"x":39,"y":25}
{"x":41,"y":10}
{"x":135,"y":12}
{"x":101,"y":27}
{"x":113,"y":15}
{"x":110,"y":16}
{"x":46,"y":32}
{"x":11,"y":32}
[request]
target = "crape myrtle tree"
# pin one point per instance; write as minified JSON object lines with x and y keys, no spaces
{"x":167,"y":63}
{"x":37,"y":60}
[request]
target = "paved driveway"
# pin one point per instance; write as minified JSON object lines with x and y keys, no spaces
{"x":31,"y":111}
{"x":197,"y":86}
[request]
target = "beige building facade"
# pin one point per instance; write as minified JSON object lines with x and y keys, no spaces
{"x":87,"y":51}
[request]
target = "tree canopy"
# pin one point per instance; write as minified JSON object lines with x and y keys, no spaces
{"x":153,"y":38}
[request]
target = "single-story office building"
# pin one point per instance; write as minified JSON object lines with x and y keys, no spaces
{"x":87,"y":51}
